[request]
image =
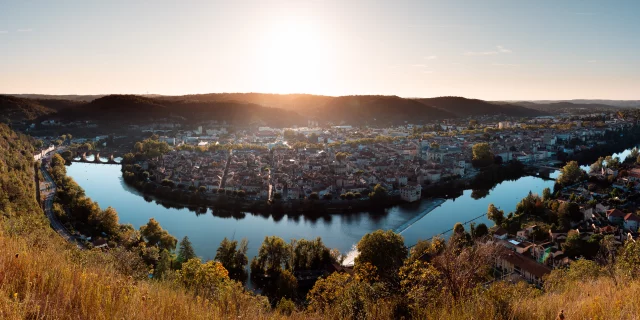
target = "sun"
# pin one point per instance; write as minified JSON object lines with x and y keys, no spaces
{"x":296,"y":58}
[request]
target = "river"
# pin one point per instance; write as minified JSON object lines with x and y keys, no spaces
{"x":104,"y":184}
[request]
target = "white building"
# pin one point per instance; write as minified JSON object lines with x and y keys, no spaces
{"x":411,"y":192}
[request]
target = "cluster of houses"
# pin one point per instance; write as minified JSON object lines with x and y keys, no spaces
{"x":526,"y":258}
{"x":404,"y":163}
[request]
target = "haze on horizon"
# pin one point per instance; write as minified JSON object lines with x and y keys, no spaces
{"x":494,"y":50}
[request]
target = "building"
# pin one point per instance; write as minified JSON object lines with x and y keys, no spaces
{"x":631,"y":222}
{"x":615,"y":216}
{"x":411,"y":192}
{"x":513,"y":263}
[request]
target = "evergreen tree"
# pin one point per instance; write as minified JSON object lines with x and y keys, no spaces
{"x":186,"y":252}
{"x":163,"y":266}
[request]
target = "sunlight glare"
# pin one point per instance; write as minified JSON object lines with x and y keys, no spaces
{"x":297,"y":58}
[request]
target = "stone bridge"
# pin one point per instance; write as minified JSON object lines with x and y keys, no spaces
{"x":111,"y":155}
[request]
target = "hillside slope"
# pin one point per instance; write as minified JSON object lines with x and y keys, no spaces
{"x":139,"y":109}
{"x":464,"y":107}
{"x":43,"y":277}
{"x":564,"y":106}
{"x":19,"y":109}
{"x":378,"y":110}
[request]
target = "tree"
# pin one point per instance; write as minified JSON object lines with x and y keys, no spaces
{"x":233,"y":257}
{"x":570,"y":174}
{"x":480,"y":231}
{"x":546,"y":194}
{"x":385,"y":250}
{"x":203,"y":279}
{"x":633,"y":155}
{"x":341,"y":156}
{"x":186,"y":251}
{"x":573,"y":246}
{"x":310,"y":255}
{"x":105,"y":221}
{"x":458,"y":228}
{"x":327,"y":292}
{"x":153,"y":233}
{"x":482,"y":155}
{"x":164,"y":265}
{"x":571,"y":210}
{"x":286,"y":286}
{"x":379,"y":193}
{"x":628,"y":261}
{"x":495,"y":215}
{"x":274,"y":255}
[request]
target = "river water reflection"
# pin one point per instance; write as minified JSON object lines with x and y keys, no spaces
{"x":104,"y":184}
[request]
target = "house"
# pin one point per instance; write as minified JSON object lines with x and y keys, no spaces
{"x":615,"y":216}
{"x":631,"y":222}
{"x":509,"y":262}
{"x":411,"y":192}
{"x":499,"y":233}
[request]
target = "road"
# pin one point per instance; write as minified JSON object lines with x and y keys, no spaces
{"x":49,"y":189}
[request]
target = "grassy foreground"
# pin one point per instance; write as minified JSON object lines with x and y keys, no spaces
{"x":42,"y":278}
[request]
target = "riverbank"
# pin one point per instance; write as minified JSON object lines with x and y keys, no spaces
{"x":232,"y":204}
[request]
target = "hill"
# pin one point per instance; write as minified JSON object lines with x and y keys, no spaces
{"x":140,"y":109}
{"x":18,"y":109}
{"x":380,"y":110}
{"x":301,"y":103}
{"x":565,"y":106}
{"x":464,"y":107}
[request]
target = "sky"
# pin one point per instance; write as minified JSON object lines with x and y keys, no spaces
{"x":490,"y":49}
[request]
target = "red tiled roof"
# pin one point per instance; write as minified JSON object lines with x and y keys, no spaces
{"x":615,"y":213}
{"x":525,"y":264}
{"x":632,"y":217}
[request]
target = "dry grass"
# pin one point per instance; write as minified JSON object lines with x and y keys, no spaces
{"x":48,"y":280}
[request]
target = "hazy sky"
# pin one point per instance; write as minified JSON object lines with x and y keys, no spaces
{"x":484,"y":49}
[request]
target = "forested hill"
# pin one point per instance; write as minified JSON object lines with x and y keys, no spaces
{"x":140,"y":109}
{"x":381,"y":110}
{"x":464,"y":107}
{"x":17,"y":192}
{"x":20,"y":109}
{"x":565,"y":106}
{"x":267,"y":109}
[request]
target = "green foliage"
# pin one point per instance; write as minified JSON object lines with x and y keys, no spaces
{"x":204,"y":279}
{"x":186,"y":251}
{"x":153,"y":233}
{"x":570,"y":174}
{"x":482,"y":154}
{"x":310,"y":255}
{"x":164,"y":265}
{"x":573,"y":246}
{"x":495,"y":215}
{"x":233,"y":257}
{"x":379,"y":194}
{"x":151,"y":148}
{"x":285,"y":306}
{"x":385,"y":250}
{"x":274,"y":255}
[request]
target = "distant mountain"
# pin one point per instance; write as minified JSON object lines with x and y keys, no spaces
{"x":18,"y":109}
{"x":380,"y":110}
{"x":594,"y":102}
{"x":300,"y":103}
{"x":464,"y":107}
{"x":564,"y":106}
{"x":139,"y":109}
{"x":272,"y":109}
{"x":70,"y":97}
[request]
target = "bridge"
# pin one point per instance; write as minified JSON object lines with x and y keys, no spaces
{"x":81,"y":156}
